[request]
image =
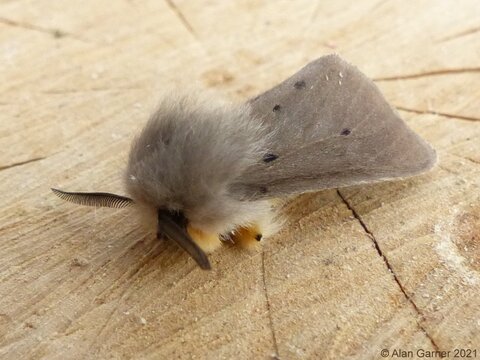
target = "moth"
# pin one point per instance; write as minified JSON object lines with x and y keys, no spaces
{"x":208,"y":171}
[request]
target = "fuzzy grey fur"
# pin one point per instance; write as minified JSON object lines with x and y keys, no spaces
{"x":326,"y":126}
{"x":190,"y":152}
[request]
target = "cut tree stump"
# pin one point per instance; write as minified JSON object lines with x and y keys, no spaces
{"x":394,"y":265}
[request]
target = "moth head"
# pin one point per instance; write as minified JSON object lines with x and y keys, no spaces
{"x":171,"y":223}
{"x":186,"y":159}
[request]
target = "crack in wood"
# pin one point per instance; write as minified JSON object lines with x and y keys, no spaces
{"x":466,"y":158}
{"x":5,"y":167}
{"x":270,"y":318}
{"x":182,"y":18}
{"x":429,"y":73}
{"x":460,"y":34}
{"x":423,"y":112}
{"x":389,"y":267}
{"x":130,"y":274}
{"x":56,"y":33}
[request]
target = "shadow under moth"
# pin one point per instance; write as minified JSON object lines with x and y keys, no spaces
{"x":207,"y":171}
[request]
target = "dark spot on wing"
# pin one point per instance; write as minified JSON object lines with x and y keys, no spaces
{"x":269,"y":157}
{"x":276,"y":108}
{"x":263,"y":189}
{"x":299,"y":84}
{"x":258,"y":237}
{"x":346,"y":132}
{"x":166,"y":140}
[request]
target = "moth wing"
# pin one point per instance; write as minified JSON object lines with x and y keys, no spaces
{"x":330,"y":127}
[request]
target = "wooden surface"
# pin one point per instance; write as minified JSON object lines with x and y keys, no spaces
{"x":394,"y":265}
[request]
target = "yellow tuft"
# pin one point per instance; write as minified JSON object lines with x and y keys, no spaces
{"x":208,"y":242}
{"x":248,"y":236}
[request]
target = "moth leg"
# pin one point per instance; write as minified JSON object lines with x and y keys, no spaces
{"x":248,"y":236}
{"x":208,"y":242}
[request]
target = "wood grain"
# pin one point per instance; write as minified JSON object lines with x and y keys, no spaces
{"x":387,"y":266}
